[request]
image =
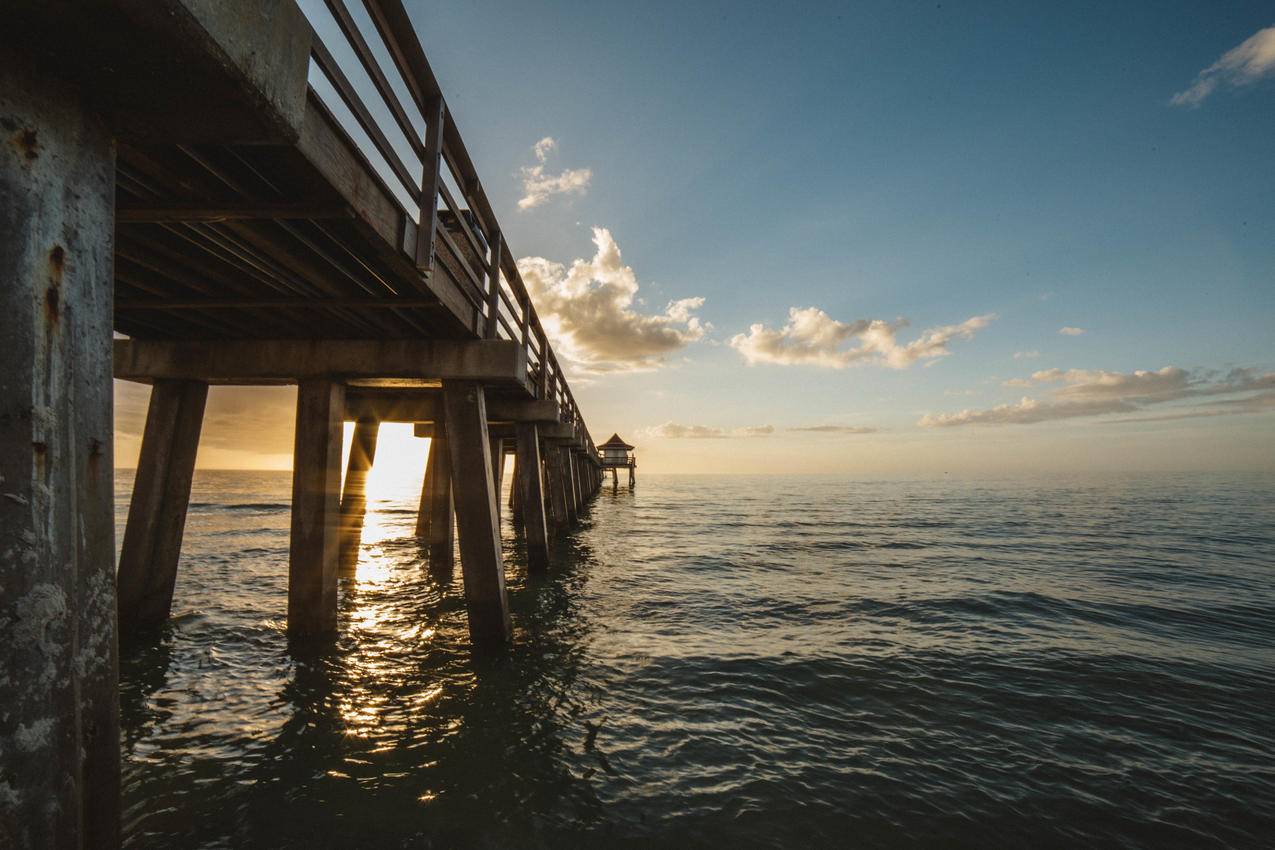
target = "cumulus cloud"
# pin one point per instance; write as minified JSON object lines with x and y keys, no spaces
{"x":836,"y":429}
{"x":1095,"y":392}
{"x":1070,"y":331}
{"x":538,"y":187}
{"x":587,"y":308}
{"x":811,"y":337}
{"x":1026,"y":355}
{"x":676,"y":431}
{"x":1252,"y":60}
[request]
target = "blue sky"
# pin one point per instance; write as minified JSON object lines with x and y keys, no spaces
{"x":932,"y":161}
{"x":1020,"y":166}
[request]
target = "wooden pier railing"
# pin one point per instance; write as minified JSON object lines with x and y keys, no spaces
{"x":400,"y":119}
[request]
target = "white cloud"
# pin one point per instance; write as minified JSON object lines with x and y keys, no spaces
{"x":587,"y":310}
{"x":836,"y":429}
{"x":1026,"y":355}
{"x":1094,"y":392}
{"x":1252,"y":60}
{"x":812,"y":337}
{"x":538,"y":187}
{"x":1070,"y":331}
{"x":676,"y":431}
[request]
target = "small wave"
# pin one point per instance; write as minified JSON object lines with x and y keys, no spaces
{"x":242,"y":506}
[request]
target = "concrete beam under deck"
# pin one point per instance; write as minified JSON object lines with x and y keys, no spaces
{"x":393,"y":363}
{"x":406,"y":405}
{"x":211,"y":71}
{"x":550,"y":432}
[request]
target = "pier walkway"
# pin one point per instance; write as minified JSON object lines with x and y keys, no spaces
{"x":245,"y":193}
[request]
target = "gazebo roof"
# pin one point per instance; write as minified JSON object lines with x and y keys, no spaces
{"x":616,"y":443}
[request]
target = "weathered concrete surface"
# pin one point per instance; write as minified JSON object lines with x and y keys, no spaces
{"x":140,"y":63}
{"x":292,"y":360}
{"x":59,"y":724}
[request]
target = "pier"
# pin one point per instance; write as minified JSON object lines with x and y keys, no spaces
{"x":206,"y":193}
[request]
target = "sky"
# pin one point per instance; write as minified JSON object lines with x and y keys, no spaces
{"x":873,"y":237}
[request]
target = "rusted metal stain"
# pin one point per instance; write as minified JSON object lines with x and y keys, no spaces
{"x":53,"y":295}
{"x":26,"y":143}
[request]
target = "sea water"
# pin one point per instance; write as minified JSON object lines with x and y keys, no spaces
{"x":729,"y":661}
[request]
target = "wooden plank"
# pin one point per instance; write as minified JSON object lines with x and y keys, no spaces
{"x":389,"y":303}
{"x":285,"y":361}
{"x":531,"y":501}
{"x":345,"y":90}
{"x":159,"y":213}
{"x":431,"y":178}
{"x":368,"y":60}
{"x":493,"y":278}
{"x":157,"y":512}
{"x":380,"y":218}
{"x":354,"y":492}
{"x":316,"y":492}
{"x":481,"y":559}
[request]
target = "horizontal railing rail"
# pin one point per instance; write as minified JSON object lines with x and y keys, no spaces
{"x":369,"y":70}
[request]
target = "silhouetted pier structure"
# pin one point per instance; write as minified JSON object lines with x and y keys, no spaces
{"x":616,"y":455}
{"x":249,"y":197}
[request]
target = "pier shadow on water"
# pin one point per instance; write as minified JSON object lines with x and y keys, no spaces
{"x":731,"y":662}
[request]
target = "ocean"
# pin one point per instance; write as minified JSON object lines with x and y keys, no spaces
{"x":732,"y":661}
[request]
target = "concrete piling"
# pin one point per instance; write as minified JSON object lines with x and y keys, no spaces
{"x":481,"y":560}
{"x":354,"y":493}
{"x":316,"y":491}
{"x":157,"y":512}
{"x":59,"y":723}
{"x":527,"y":482}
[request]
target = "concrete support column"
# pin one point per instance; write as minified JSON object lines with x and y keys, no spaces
{"x":59,"y":728}
{"x":437,"y":509}
{"x":497,"y":469}
{"x":557,"y":492}
{"x":354,"y":493}
{"x":573,"y":492}
{"x":316,"y":494}
{"x":157,"y":511}
{"x":515,"y":491}
{"x":423,"y":511}
{"x":481,"y":560}
{"x":527,"y":482}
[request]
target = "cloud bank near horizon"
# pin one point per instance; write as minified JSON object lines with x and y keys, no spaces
{"x":677,"y":431}
{"x":1096,"y":392}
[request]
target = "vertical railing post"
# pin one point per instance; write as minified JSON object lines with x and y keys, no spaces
{"x":544,"y":361}
{"x":436,"y":114}
{"x":493,"y":291}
